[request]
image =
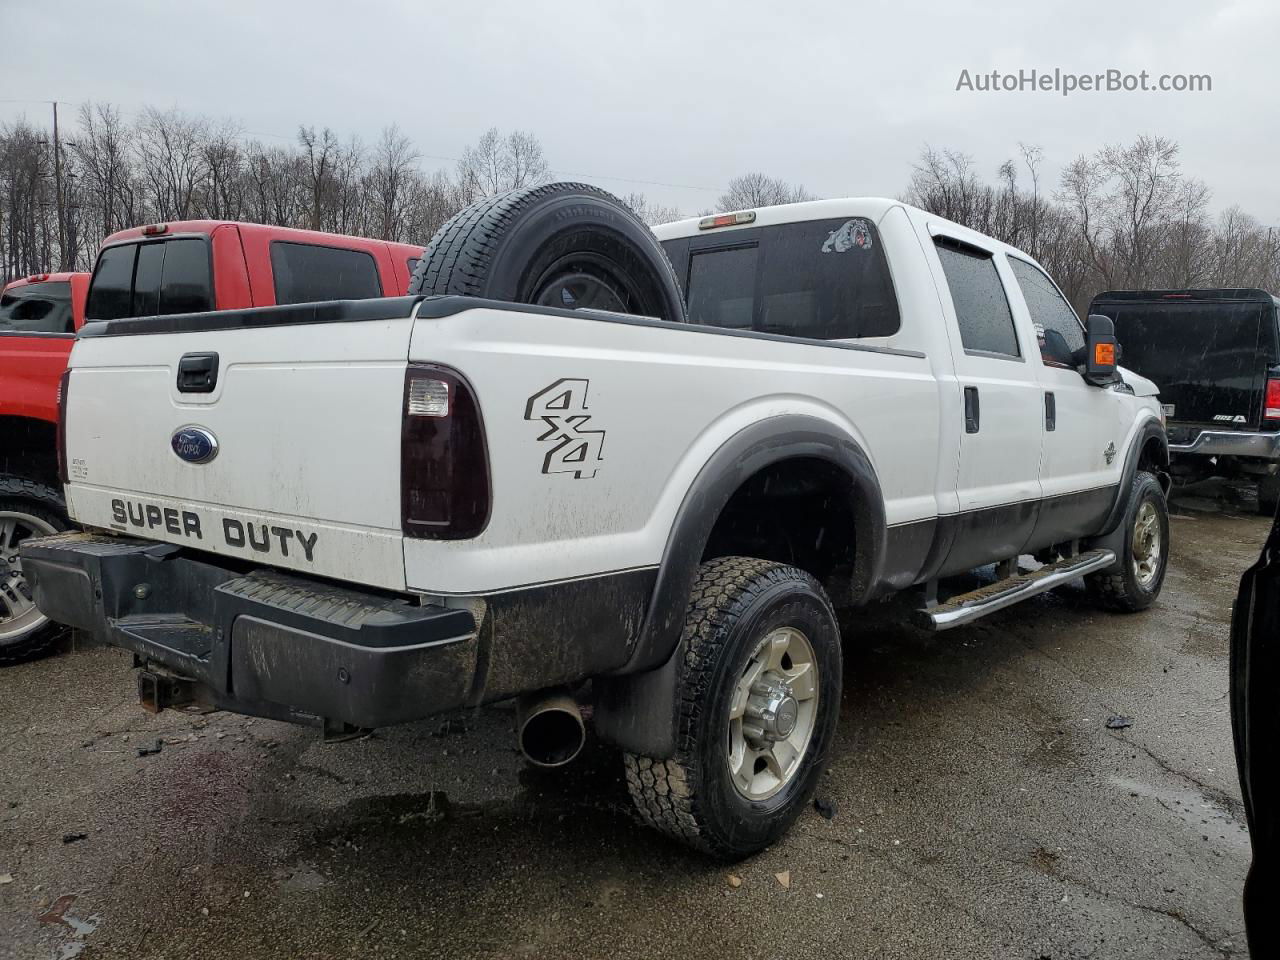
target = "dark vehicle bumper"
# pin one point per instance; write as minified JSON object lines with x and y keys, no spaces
{"x":1227,"y":443}
{"x":262,"y":643}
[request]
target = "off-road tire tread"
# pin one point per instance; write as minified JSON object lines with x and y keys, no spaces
{"x":661,"y":789}
{"x":47,"y":498}
{"x":1109,"y":590}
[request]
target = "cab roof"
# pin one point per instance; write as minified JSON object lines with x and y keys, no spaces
{"x":207,"y":227}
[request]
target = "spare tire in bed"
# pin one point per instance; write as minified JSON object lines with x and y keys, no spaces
{"x":566,"y":245}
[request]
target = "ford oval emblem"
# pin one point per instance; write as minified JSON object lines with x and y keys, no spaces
{"x":194,"y":444}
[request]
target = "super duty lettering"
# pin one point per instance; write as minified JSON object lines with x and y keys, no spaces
{"x":259,"y":537}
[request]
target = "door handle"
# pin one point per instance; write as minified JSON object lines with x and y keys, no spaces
{"x":1050,"y":411}
{"x":970,"y":409}
{"x":198,"y":373}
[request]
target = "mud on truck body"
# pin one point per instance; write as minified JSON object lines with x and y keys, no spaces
{"x":547,"y":466}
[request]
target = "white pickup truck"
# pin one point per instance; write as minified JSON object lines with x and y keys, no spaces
{"x":360,"y":513}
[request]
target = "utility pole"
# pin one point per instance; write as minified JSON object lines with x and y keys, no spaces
{"x":57,"y":191}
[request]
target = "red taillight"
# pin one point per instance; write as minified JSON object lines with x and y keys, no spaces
{"x":155,"y":229}
{"x":444,"y":462}
{"x":64,"y":382}
{"x":1271,"y":409}
{"x":37,"y":278}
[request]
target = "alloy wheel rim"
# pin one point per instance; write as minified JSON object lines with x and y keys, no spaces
{"x":773,"y":714}
{"x":1146,"y":544}
{"x":18,"y":613}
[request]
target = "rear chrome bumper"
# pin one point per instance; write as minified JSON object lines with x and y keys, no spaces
{"x":1231,"y":443}
{"x":262,"y":643}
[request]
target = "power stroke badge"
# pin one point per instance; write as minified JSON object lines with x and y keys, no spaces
{"x":573,"y":448}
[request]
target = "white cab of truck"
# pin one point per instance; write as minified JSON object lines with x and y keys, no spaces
{"x":579,"y":452}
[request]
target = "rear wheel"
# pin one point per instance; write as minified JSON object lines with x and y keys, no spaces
{"x":1135,"y":581}
{"x":757,"y":703}
{"x":566,"y":245}
{"x":27,"y":509}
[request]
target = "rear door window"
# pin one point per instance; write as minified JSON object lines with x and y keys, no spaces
{"x":151,"y":279}
{"x":982,"y":309}
{"x":817,"y":279}
{"x":37,"y":308}
{"x":309,"y":273}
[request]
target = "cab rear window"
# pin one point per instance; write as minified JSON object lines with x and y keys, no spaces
{"x":149,"y":279}
{"x":819,"y":279}
{"x":309,"y":273}
{"x":37,"y":308}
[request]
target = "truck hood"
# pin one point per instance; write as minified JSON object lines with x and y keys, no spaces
{"x":1142,"y":387}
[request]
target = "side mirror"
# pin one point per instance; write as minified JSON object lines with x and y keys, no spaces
{"x":1101,"y":352}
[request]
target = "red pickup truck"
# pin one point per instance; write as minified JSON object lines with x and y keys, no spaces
{"x":165,"y":268}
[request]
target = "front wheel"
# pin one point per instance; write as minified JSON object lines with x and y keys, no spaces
{"x":1134,"y":582}
{"x":27,"y":509}
{"x":757,"y":701}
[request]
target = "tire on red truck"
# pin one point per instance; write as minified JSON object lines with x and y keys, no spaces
{"x":28,"y":509}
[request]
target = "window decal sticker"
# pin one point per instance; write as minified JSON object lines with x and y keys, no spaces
{"x":852,"y":234}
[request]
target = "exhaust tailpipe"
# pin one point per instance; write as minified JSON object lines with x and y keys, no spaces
{"x":549,"y":728}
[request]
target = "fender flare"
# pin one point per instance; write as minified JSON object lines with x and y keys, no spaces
{"x":1150,"y":429}
{"x":635,"y":708}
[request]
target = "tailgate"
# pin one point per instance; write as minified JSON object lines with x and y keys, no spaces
{"x":1210,"y":359}
{"x":305,"y":419}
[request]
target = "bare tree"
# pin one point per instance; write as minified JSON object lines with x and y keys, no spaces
{"x":169,"y":147}
{"x":651,"y":213}
{"x":1122,"y":216}
{"x":391,"y":179}
{"x":318,"y":155}
{"x":1083,"y":184}
{"x":1147,"y":181}
{"x":498,"y":163}
{"x":432,"y":200}
{"x":526,"y":165}
{"x":107,"y":173}
{"x":224,"y":161}
{"x":760,"y":190}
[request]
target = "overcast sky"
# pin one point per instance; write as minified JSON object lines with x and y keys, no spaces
{"x":839,"y":96}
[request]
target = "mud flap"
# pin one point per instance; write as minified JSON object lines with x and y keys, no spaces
{"x":637,"y":712}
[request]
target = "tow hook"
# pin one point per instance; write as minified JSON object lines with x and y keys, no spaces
{"x":160,"y":690}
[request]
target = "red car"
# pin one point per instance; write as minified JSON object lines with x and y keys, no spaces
{"x":165,"y":268}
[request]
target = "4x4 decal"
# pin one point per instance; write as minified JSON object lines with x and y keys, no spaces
{"x":563,"y":408}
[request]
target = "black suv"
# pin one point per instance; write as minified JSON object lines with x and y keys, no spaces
{"x":1214,"y":355}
